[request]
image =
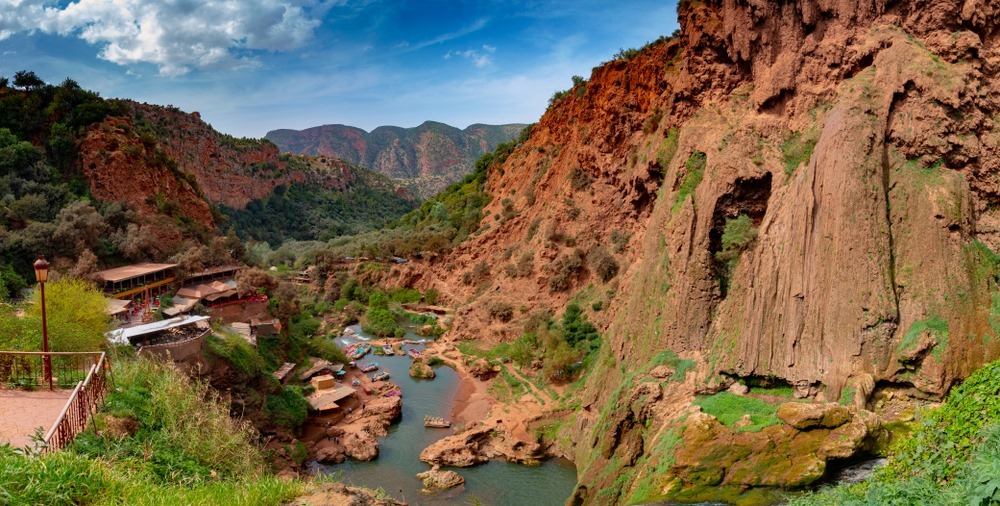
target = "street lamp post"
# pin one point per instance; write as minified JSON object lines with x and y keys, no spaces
{"x":42,"y":275}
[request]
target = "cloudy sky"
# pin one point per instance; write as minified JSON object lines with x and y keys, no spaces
{"x":250,"y":66}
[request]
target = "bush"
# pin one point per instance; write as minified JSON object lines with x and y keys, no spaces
{"x":564,"y":270}
{"x":501,"y":311}
{"x":431,"y":296}
{"x":185,"y":434}
{"x":620,"y":240}
{"x":795,"y":151}
{"x":738,"y":233}
{"x":577,"y":331}
{"x":237,"y":351}
{"x":326,"y":349}
{"x":579,"y":179}
{"x":603,"y":263}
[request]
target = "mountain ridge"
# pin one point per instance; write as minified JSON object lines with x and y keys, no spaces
{"x":429,"y":149}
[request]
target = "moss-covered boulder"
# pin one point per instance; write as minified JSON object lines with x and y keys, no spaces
{"x":421,"y":370}
{"x":805,"y":416}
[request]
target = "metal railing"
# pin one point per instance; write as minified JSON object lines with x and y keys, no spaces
{"x":86,"y":373}
{"x":80,"y":407}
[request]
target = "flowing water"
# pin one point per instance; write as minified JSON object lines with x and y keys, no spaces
{"x":494,"y":484}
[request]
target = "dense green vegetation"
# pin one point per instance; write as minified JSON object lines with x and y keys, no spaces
{"x":165,"y":440}
{"x":306,"y":211}
{"x":437,"y":225}
{"x":560,"y":350}
{"x":75,"y":315}
{"x":952,"y":456}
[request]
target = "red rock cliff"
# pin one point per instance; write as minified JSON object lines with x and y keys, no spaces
{"x":859,"y":140}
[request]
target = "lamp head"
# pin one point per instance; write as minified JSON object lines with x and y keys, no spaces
{"x":41,"y":270}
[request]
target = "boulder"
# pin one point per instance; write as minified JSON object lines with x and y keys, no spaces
{"x":738,"y":389}
{"x":661,"y":372}
{"x":328,"y":452}
{"x":436,"y":479}
{"x":340,"y":494}
{"x":803,"y":415}
{"x":360,"y":445}
{"x":480,"y":368}
{"x":863,"y":432}
{"x":461,"y":450}
{"x":386,"y":408}
{"x":421,"y":370}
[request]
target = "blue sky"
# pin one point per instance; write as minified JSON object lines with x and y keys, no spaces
{"x":250,"y":66}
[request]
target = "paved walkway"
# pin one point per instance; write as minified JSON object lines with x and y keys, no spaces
{"x":21,"y":412}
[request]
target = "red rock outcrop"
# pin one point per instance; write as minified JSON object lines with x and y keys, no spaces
{"x":162,"y":160}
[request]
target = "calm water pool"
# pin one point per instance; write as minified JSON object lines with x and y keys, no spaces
{"x":395,"y":469}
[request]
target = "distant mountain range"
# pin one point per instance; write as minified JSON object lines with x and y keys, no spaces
{"x":431,"y":149}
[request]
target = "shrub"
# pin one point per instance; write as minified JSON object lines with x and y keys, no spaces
{"x":237,"y":351}
{"x":579,"y":179}
{"x":652,"y":121}
{"x":738,"y":233}
{"x":577,"y":331}
{"x":508,"y":211}
{"x":326,"y":349}
{"x":501,"y":311}
{"x":620,"y":240}
{"x":564,"y":269}
{"x":431,"y":296}
{"x":533,"y":228}
{"x":603,"y":263}
{"x":185,"y":434}
{"x":382,"y":323}
{"x":525,"y":263}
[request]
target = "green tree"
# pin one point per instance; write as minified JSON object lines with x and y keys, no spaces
{"x":76,"y":312}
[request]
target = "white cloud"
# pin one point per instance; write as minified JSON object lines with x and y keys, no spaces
{"x":174,"y":35}
{"x":479,"y":57}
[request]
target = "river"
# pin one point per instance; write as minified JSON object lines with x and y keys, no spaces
{"x":492,"y":484}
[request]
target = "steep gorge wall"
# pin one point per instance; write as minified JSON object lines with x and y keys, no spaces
{"x":858,"y":137}
{"x":161,"y":156}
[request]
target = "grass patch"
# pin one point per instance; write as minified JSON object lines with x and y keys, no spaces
{"x":937,"y":328}
{"x":670,"y":359}
{"x":695,"y":166}
{"x":730,"y":408}
{"x":796,"y":150}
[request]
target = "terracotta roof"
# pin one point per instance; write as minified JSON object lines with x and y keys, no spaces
{"x":131,"y":271}
{"x":327,"y":399}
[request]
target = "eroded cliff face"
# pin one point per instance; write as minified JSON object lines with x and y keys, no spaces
{"x":859,"y":140}
{"x":160,"y":160}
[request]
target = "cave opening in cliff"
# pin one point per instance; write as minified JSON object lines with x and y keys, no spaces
{"x":741,"y":209}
